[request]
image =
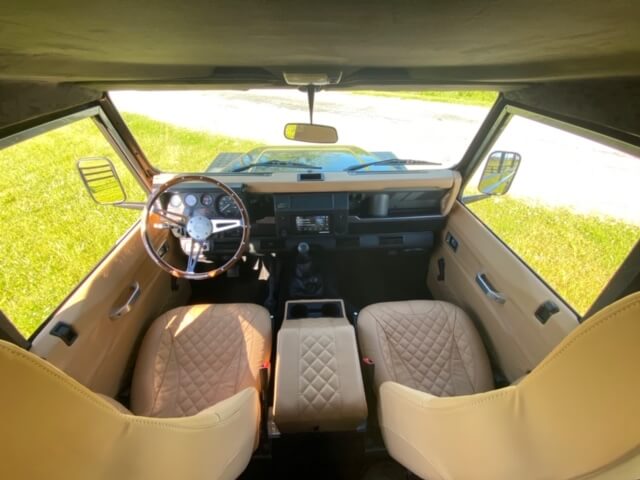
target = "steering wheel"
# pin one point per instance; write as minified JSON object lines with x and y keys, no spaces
{"x":197,"y":227}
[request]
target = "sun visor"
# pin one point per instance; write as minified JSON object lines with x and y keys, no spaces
{"x":22,"y":102}
{"x":612,"y":104}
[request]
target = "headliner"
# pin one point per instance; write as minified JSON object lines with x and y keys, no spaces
{"x":126,"y":43}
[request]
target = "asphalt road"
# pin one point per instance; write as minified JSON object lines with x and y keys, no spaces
{"x":558,"y":168}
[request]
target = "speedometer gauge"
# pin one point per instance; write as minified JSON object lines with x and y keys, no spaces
{"x":227,"y":207}
{"x":191,"y":200}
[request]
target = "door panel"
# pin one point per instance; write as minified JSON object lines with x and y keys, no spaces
{"x":99,"y":356}
{"x":517,"y":339}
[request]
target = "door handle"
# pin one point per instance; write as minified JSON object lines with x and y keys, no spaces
{"x":488,"y":290}
{"x":128,"y":305}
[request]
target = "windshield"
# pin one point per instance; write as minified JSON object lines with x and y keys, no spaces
{"x":242,"y":131}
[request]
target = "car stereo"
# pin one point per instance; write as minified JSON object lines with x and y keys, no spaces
{"x":316,"y":214}
{"x":313,"y":224}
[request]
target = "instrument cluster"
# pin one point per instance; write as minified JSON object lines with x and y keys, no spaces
{"x":211,"y":204}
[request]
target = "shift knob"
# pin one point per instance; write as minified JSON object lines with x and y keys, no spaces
{"x":303,"y":248}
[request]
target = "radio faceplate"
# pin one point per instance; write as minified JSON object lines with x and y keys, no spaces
{"x":311,"y":214}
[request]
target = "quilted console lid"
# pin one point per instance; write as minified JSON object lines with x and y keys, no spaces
{"x":318,"y":380}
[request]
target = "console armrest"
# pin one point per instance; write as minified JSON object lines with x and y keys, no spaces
{"x":318,"y":380}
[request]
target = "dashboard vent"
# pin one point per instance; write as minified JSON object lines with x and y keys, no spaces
{"x":307,"y":177}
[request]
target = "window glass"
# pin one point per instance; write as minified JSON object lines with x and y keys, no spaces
{"x":219,"y":131}
{"x":571,"y":212}
{"x":53,"y":234}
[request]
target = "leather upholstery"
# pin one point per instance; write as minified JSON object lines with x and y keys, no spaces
{"x":576,"y":415}
{"x":196,"y":356}
{"x":53,"y":427}
{"x":318,"y":384}
{"x":427,"y":345}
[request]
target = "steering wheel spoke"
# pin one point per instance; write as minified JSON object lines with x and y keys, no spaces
{"x":196,"y":248}
{"x":224,"y":224}
{"x":172,"y":219}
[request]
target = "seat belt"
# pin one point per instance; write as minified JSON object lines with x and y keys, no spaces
{"x":264,"y":399}
{"x":9,"y":333}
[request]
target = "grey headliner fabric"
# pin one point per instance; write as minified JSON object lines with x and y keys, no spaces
{"x":442,"y":41}
{"x":23,"y":101}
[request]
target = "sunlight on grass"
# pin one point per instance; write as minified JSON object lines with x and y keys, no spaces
{"x":53,"y":233}
{"x":480,"y":98}
{"x":178,"y":149}
{"x":575,"y":254}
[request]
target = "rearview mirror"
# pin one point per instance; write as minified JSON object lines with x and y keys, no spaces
{"x":499,"y":173}
{"x":311,"y":133}
{"x":101,"y":180}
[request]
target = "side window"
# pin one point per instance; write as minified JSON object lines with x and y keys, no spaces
{"x":53,"y":234}
{"x":569,"y":208}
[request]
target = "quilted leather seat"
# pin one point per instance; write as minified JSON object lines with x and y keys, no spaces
{"x":194,"y":357}
{"x":430,"y":346}
{"x":197,"y":364}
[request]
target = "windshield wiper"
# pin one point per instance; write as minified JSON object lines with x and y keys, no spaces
{"x":276,"y":163}
{"x":390,"y":161}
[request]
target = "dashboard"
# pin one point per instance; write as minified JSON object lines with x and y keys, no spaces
{"x":391,"y":215}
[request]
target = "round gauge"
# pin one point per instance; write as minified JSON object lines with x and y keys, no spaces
{"x":191,"y":200}
{"x":227,"y":207}
{"x":206,"y":200}
{"x":175,"y":200}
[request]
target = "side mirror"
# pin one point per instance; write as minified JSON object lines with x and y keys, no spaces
{"x":101,"y":180}
{"x":311,"y":133}
{"x":499,"y":173}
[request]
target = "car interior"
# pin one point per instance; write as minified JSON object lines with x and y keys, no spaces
{"x":300,"y":322}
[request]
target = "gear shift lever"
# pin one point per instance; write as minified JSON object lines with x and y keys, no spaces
{"x":306,"y":283}
{"x":303,"y":249}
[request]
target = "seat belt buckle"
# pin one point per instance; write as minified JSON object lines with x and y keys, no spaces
{"x":368,"y":370}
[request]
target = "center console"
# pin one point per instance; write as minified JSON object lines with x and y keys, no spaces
{"x":318,"y":382}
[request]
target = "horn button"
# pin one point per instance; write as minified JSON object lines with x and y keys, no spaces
{"x":199,"y":228}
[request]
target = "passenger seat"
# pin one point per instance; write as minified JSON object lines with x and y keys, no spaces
{"x":429,"y":346}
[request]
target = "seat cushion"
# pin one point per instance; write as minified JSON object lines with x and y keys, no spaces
{"x":430,"y":346}
{"x":196,"y":356}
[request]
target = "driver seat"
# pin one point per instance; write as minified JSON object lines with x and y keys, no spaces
{"x":195,"y":404}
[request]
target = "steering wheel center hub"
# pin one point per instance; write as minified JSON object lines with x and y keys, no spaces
{"x":199,"y":228}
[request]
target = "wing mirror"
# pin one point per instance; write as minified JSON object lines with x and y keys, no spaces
{"x":311,"y":133}
{"x":101,"y":180}
{"x":499,"y":173}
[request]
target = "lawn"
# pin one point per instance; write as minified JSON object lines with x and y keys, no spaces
{"x":53,"y":234}
{"x":575,"y":254}
{"x":480,"y":98}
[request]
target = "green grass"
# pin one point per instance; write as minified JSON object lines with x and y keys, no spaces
{"x":176,"y":149}
{"x":53,"y":233}
{"x":481,"y":98}
{"x":575,"y":254}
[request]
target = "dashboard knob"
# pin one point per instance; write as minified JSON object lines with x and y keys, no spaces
{"x":303,"y":248}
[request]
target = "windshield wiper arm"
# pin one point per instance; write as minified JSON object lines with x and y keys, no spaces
{"x":391,"y":161}
{"x":276,"y":163}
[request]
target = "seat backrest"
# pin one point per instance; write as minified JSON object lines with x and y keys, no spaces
{"x":53,"y":427}
{"x":576,"y":415}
